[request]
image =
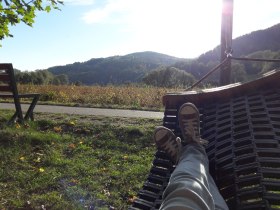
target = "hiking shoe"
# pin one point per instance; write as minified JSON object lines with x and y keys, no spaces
{"x":166,"y":140}
{"x":189,"y":124}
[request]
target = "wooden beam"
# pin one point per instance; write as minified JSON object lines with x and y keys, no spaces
{"x":226,"y":40}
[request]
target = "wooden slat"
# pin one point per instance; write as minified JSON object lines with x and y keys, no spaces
{"x":5,"y":88}
{"x":28,"y":95}
{"x":6,"y":96}
{"x":20,"y":96}
{"x":6,"y":66}
{"x":4,"y":77}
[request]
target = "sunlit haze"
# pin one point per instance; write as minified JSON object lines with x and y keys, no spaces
{"x":86,"y":29}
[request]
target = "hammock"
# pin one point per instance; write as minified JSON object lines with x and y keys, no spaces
{"x":242,"y":124}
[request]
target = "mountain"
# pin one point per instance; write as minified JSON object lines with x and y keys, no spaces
{"x":132,"y":68}
{"x":115,"y":69}
{"x":258,"y":44}
{"x":261,"y":40}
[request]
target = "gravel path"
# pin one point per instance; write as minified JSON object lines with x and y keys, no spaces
{"x":87,"y":111}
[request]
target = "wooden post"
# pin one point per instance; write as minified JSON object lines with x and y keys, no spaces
{"x":226,"y":41}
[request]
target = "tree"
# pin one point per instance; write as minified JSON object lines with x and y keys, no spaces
{"x":41,"y":77}
{"x":238,"y":73}
{"x":16,"y":11}
{"x":169,"y":77}
{"x":61,"y":79}
{"x":256,"y":68}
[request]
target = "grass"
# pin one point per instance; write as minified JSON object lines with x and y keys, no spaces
{"x":73,"y":162}
{"x":122,"y":97}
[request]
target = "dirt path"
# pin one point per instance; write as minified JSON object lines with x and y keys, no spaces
{"x":87,"y":111}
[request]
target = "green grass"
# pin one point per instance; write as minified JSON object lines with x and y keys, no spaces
{"x":73,"y":162}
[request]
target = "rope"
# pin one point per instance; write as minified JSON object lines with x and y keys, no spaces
{"x":229,"y":56}
{"x":210,"y":72}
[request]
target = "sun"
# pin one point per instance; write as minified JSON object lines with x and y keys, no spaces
{"x":180,"y":28}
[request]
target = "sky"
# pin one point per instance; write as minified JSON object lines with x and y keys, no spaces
{"x":86,"y":29}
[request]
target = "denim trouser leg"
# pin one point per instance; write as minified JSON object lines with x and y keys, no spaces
{"x":191,"y":186}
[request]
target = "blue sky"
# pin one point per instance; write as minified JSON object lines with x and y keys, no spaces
{"x":86,"y":29}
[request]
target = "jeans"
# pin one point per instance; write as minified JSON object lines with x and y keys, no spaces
{"x":191,"y":187}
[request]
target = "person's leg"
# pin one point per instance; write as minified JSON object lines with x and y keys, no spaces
{"x":191,"y":185}
{"x":188,"y":186}
{"x":190,"y":126}
{"x":219,"y":201}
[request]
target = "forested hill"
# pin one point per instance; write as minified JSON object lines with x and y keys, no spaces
{"x":133,"y":67}
{"x":115,"y":69}
{"x":261,"y":40}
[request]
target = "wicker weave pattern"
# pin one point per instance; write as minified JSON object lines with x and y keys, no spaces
{"x":243,"y":151}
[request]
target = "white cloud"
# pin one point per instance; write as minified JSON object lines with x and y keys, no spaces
{"x":162,"y":25}
{"x":106,"y":12}
{"x":79,"y":2}
{"x":251,"y":15}
{"x":181,"y":27}
{"x":151,"y":13}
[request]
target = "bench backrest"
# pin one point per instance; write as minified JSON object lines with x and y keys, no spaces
{"x":8,"y":86}
{"x":7,"y":78}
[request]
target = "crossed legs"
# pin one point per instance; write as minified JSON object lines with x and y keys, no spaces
{"x":191,"y":187}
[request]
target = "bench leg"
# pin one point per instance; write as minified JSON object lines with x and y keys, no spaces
{"x":29,"y":113}
{"x":18,"y":114}
{"x":13,"y":118}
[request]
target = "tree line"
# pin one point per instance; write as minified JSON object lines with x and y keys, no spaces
{"x":169,"y":77}
{"x":40,"y":77}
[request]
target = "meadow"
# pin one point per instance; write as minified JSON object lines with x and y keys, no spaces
{"x":73,"y":162}
{"x":77,"y":162}
{"x":123,"y":97}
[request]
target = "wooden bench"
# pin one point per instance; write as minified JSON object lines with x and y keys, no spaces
{"x":242,"y":124}
{"x":8,"y":89}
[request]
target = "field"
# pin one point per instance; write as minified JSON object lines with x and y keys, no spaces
{"x":124,"y":97}
{"x":77,"y":162}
